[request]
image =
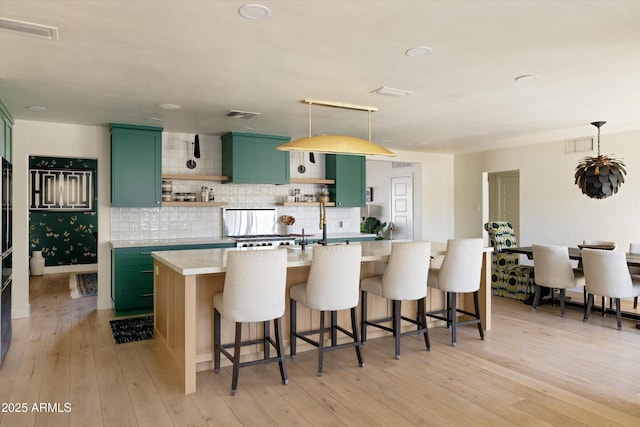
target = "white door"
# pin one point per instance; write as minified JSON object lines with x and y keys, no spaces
{"x":504,"y":198}
{"x":402,"y":208}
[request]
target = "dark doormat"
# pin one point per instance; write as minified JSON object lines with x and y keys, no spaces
{"x":132,"y":329}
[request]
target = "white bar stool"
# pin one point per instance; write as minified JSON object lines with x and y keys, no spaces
{"x":459,"y":273}
{"x":254,"y":291}
{"x":332,"y":285}
{"x":404,"y":279}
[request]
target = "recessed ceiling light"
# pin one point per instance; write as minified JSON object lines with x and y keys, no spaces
{"x":254,"y":11}
{"x":526,"y":78}
{"x":418,"y":51}
{"x":169,"y":106}
{"x":29,"y":28}
{"x":36,"y":108}
{"x":154,"y":119}
{"x":389,"y":91}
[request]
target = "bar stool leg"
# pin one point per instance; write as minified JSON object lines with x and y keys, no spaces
{"x":476,"y":304}
{"x":216,"y":341}
{"x":422,"y":316}
{"x":397,"y":319}
{"x":280,"y":349}
{"x":321,"y":344}
{"x":236,"y":359}
{"x":334,"y":330}
{"x":354,"y":327}
{"x":363,"y":315}
{"x":266,"y":334}
{"x":453,"y":317}
{"x":292,"y":327}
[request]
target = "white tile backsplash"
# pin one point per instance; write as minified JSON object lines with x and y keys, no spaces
{"x":193,"y":222}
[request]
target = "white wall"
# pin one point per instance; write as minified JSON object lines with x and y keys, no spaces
{"x":553,"y":210}
{"x":436,"y":199}
{"x":57,"y":140}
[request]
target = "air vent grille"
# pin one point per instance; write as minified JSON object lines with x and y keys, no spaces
{"x":29,"y":28}
{"x":578,"y":145}
{"x":236,"y":114}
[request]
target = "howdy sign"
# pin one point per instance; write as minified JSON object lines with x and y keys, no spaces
{"x":61,"y":190}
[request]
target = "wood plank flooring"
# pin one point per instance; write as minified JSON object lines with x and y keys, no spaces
{"x":533,"y":369}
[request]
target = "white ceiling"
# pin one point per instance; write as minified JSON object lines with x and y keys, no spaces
{"x":116,"y":60}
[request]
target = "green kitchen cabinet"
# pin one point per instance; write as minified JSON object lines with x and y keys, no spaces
{"x":253,"y":159}
{"x":349,"y":172}
{"x":6,"y":132}
{"x":132,"y":276}
{"x":136,"y":166}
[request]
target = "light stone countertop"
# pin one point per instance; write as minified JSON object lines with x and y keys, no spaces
{"x":207,"y":261}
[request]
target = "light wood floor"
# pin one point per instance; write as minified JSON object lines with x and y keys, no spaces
{"x":533,"y":369}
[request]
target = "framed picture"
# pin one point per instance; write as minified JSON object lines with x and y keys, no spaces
{"x":368,"y":195}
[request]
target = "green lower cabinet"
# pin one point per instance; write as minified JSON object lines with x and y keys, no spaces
{"x":349,"y":172}
{"x":132,"y":276}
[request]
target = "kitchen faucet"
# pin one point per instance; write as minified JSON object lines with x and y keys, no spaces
{"x":323,"y":223}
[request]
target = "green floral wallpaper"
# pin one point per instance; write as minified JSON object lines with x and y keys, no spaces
{"x":65,"y":238}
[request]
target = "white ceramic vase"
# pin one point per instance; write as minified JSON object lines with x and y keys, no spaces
{"x":36,"y":263}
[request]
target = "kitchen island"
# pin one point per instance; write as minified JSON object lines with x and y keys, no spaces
{"x":185,"y":282}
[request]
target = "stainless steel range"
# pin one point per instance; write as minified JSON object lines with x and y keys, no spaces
{"x":254,"y":228}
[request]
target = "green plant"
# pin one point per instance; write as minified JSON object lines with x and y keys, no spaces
{"x":372,"y":225}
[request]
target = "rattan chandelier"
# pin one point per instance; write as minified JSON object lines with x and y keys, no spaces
{"x":600,"y":177}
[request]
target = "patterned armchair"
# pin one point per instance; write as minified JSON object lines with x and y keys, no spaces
{"x":508,"y":278}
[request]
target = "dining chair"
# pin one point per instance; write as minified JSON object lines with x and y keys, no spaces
{"x":404,"y":279}
{"x":599,"y":244}
{"x":554,"y":271}
{"x":607,"y":274}
{"x":634,"y":248}
{"x":332,"y":285}
{"x":254,"y":291}
{"x":460,"y":272}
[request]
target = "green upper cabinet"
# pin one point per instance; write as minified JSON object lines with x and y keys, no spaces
{"x":253,"y":159}
{"x":6,"y":132}
{"x":349,"y":173}
{"x":136,"y":166}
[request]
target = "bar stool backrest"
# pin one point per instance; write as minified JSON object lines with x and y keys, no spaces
{"x":405,"y":277}
{"x":462,"y":266}
{"x":334,"y":277}
{"x":254,"y":285}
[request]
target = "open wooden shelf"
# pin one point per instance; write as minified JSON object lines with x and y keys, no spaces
{"x":311,"y":181}
{"x":195,"y":177}
{"x":206,"y":204}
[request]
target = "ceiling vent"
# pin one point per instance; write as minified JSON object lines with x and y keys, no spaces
{"x":29,"y":28}
{"x":235,"y":114}
{"x":578,"y":145}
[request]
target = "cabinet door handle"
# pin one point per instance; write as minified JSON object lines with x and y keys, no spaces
{"x":145,"y":253}
{"x":146,"y":271}
{"x":146,"y":295}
